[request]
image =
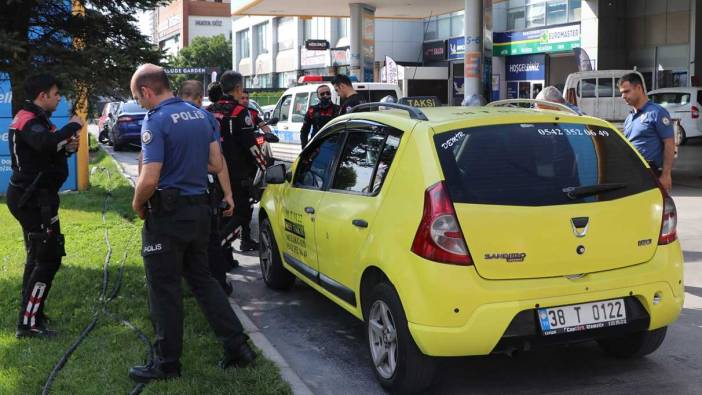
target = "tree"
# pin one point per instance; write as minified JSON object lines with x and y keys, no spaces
{"x":202,"y":51}
{"x":37,"y":36}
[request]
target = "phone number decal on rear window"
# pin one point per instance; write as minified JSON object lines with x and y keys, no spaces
{"x":572,"y":132}
{"x":453,"y":140}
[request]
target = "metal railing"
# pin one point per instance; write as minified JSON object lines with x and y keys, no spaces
{"x":512,"y":102}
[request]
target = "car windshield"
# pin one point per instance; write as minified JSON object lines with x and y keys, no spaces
{"x":539,"y":164}
{"x":132,"y":107}
{"x":668,"y":98}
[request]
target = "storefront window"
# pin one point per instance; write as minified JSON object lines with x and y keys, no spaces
{"x":535,"y":13}
{"x":457,"y":24}
{"x":574,"y":10}
{"x":261,"y":35}
{"x":556,"y":12}
{"x":431,"y":30}
{"x":242,"y":43}
{"x":286,"y":32}
{"x":343,"y":28}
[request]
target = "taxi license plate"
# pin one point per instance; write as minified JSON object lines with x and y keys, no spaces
{"x":582,"y":317}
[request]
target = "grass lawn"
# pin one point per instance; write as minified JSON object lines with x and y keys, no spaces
{"x":100,"y":364}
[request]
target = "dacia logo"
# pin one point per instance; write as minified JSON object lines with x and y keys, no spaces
{"x":153,"y":248}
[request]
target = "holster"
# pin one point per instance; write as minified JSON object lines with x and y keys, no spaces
{"x":164,"y":201}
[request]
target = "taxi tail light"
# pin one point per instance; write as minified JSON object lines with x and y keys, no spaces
{"x":125,"y":119}
{"x":695,"y":112}
{"x":439,"y":237}
{"x":669,"y":223}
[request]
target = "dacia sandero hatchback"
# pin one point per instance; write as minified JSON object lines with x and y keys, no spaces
{"x":469,"y":231}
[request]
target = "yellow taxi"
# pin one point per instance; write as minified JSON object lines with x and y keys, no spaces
{"x":460,"y":231}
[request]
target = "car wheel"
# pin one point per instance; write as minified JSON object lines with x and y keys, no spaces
{"x":683,"y":136}
{"x":118,"y":147}
{"x":633,"y":345}
{"x":274,"y":274}
{"x":397,"y":362}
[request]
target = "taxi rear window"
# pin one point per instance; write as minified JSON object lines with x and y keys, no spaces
{"x":539,"y":164}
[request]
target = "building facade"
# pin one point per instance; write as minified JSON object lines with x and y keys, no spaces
{"x":175,"y":25}
{"x":270,"y":51}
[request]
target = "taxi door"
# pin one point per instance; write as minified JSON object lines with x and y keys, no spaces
{"x":347,"y":211}
{"x":301,"y":201}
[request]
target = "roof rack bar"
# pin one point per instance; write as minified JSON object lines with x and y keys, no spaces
{"x":414,"y":112}
{"x":509,"y":102}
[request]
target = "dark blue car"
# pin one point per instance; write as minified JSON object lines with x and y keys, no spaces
{"x":126,"y":131}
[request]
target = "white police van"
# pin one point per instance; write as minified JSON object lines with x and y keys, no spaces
{"x":292,"y":107}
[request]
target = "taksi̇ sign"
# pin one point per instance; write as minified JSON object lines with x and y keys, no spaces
{"x":557,"y":39}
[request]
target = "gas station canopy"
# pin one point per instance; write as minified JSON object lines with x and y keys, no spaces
{"x":394,"y":9}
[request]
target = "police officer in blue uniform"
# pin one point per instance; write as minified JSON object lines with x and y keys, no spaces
{"x":178,"y":145}
{"x":649,"y":128}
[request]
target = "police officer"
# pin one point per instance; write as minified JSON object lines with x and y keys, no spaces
{"x":178,"y":143}
{"x":649,"y":129}
{"x":240,"y":150}
{"x":349,"y":97}
{"x":39,"y":168}
{"x":318,"y":115}
{"x":219,"y":190}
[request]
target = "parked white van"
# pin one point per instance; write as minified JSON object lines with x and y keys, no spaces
{"x":292,"y":107}
{"x":684,"y":104}
{"x":596,"y":94}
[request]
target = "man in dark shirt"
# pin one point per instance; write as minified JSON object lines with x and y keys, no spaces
{"x":318,"y":115}
{"x":349,"y":97}
{"x":39,"y":168}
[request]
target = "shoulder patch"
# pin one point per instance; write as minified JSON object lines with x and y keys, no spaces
{"x":666,"y":121}
{"x":146,"y":136}
{"x":248,"y":120}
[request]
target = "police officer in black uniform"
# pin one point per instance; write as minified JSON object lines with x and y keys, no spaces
{"x":220,"y":195}
{"x":349,"y":97}
{"x":179,"y":145}
{"x":318,"y":115}
{"x":240,"y":150}
{"x":39,"y":168}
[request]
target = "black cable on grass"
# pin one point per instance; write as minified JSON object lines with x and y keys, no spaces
{"x":103,"y":302}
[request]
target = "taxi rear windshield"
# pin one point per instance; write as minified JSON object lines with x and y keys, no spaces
{"x":539,"y":164}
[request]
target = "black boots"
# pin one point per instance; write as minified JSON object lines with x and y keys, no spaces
{"x":39,"y":331}
{"x":147,"y":373}
{"x":242,"y":357}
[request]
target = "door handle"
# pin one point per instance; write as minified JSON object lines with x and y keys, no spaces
{"x":309,"y":210}
{"x":285,"y":127}
{"x":360,"y":223}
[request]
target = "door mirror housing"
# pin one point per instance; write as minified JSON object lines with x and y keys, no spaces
{"x":276,"y":174}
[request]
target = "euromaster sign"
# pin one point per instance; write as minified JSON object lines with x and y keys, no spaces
{"x":557,"y":39}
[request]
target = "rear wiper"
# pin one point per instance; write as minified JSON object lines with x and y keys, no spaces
{"x":589,"y":190}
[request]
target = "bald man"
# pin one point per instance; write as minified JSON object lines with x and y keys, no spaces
{"x":179,"y":146}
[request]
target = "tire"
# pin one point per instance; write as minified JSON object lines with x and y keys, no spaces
{"x":390,"y":343}
{"x":274,"y":274}
{"x":118,"y":147}
{"x":633,"y":345}
{"x":683,"y":136}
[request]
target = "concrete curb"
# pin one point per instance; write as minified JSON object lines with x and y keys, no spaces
{"x":269,"y":351}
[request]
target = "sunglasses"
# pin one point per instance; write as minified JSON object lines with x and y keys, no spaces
{"x":325,"y":94}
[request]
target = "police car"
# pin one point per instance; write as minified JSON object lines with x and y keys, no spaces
{"x":456,"y":231}
{"x":292,"y":107}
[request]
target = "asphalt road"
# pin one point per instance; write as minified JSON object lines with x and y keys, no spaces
{"x":326,"y":346}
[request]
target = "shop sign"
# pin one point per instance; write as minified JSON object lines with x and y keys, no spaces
{"x":434,"y":51}
{"x":526,"y":68}
{"x":557,"y":39}
{"x":340,"y":56}
{"x":313,"y":58}
{"x":185,"y":70}
{"x":317,"y":45}
{"x":456,"y":48}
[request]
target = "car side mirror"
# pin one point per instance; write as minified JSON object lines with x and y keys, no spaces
{"x":276,"y":174}
{"x":266,"y":116}
{"x":272,"y":121}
